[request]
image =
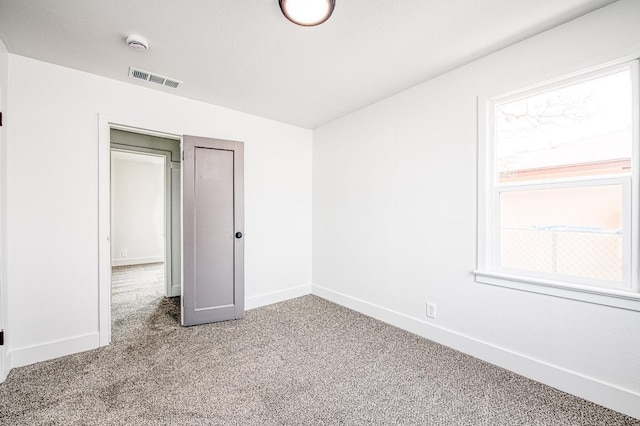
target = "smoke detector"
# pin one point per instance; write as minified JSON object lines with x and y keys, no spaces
{"x":137,"y":42}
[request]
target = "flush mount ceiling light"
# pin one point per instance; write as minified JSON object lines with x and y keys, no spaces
{"x":307,"y":13}
{"x":137,"y":42}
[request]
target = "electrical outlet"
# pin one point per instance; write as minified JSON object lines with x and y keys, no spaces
{"x":123,"y":253}
{"x":431,"y":310}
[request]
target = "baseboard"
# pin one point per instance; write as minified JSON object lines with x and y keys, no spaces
{"x":276,"y":296}
{"x":31,"y":354}
{"x":50,"y":350}
{"x":601,"y":393}
{"x":136,"y":260}
{"x":7,"y":367}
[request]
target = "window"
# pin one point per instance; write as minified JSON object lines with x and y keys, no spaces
{"x":558,"y":187}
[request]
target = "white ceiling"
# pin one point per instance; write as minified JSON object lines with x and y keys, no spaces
{"x":244,"y":55}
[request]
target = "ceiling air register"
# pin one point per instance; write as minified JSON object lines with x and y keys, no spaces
{"x":154,"y":78}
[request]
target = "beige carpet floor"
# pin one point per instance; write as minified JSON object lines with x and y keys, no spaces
{"x":305,"y":361}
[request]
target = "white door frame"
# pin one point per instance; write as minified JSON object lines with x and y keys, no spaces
{"x":5,"y":354}
{"x":105,"y":124}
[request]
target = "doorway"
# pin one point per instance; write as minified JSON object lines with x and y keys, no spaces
{"x":145,"y":224}
{"x":130,"y":135}
{"x":168,"y":149}
{"x":137,"y":236}
{"x":109,"y":126}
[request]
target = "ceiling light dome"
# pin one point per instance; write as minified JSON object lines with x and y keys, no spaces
{"x":307,"y":12}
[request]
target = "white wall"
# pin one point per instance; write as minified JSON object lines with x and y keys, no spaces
{"x":394,"y":221}
{"x":4,"y":73}
{"x":394,"y":211}
{"x":52,"y":199}
{"x":137,"y":208}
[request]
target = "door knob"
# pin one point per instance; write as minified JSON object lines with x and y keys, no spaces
{"x":238,"y":234}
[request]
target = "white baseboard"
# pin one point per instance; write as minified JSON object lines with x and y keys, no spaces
{"x":136,"y":260}
{"x":7,"y":366}
{"x":605,"y":394}
{"x":50,"y":350}
{"x":276,"y":296}
{"x":42,"y":352}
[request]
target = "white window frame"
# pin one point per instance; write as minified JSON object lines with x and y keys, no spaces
{"x":624,"y":295}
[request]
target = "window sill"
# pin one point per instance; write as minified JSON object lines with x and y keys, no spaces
{"x":600,"y":296}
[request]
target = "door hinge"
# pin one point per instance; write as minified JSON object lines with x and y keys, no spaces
{"x":0,"y":119}
{"x":1,"y":337}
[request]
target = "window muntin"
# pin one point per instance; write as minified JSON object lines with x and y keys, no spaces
{"x":559,"y":174}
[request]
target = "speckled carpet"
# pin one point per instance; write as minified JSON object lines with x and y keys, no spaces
{"x":305,"y":361}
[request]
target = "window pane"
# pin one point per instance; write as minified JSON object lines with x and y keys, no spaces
{"x":579,"y":130}
{"x":573,"y":231}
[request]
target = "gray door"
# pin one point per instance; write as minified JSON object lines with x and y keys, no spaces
{"x":213,"y":220}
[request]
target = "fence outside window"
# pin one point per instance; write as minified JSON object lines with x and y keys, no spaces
{"x":581,"y":252}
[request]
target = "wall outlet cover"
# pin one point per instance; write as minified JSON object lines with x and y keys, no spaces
{"x":431,"y":310}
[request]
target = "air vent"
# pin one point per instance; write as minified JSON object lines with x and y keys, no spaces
{"x":172,"y":83}
{"x":154,"y":78}
{"x":139,"y":74}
